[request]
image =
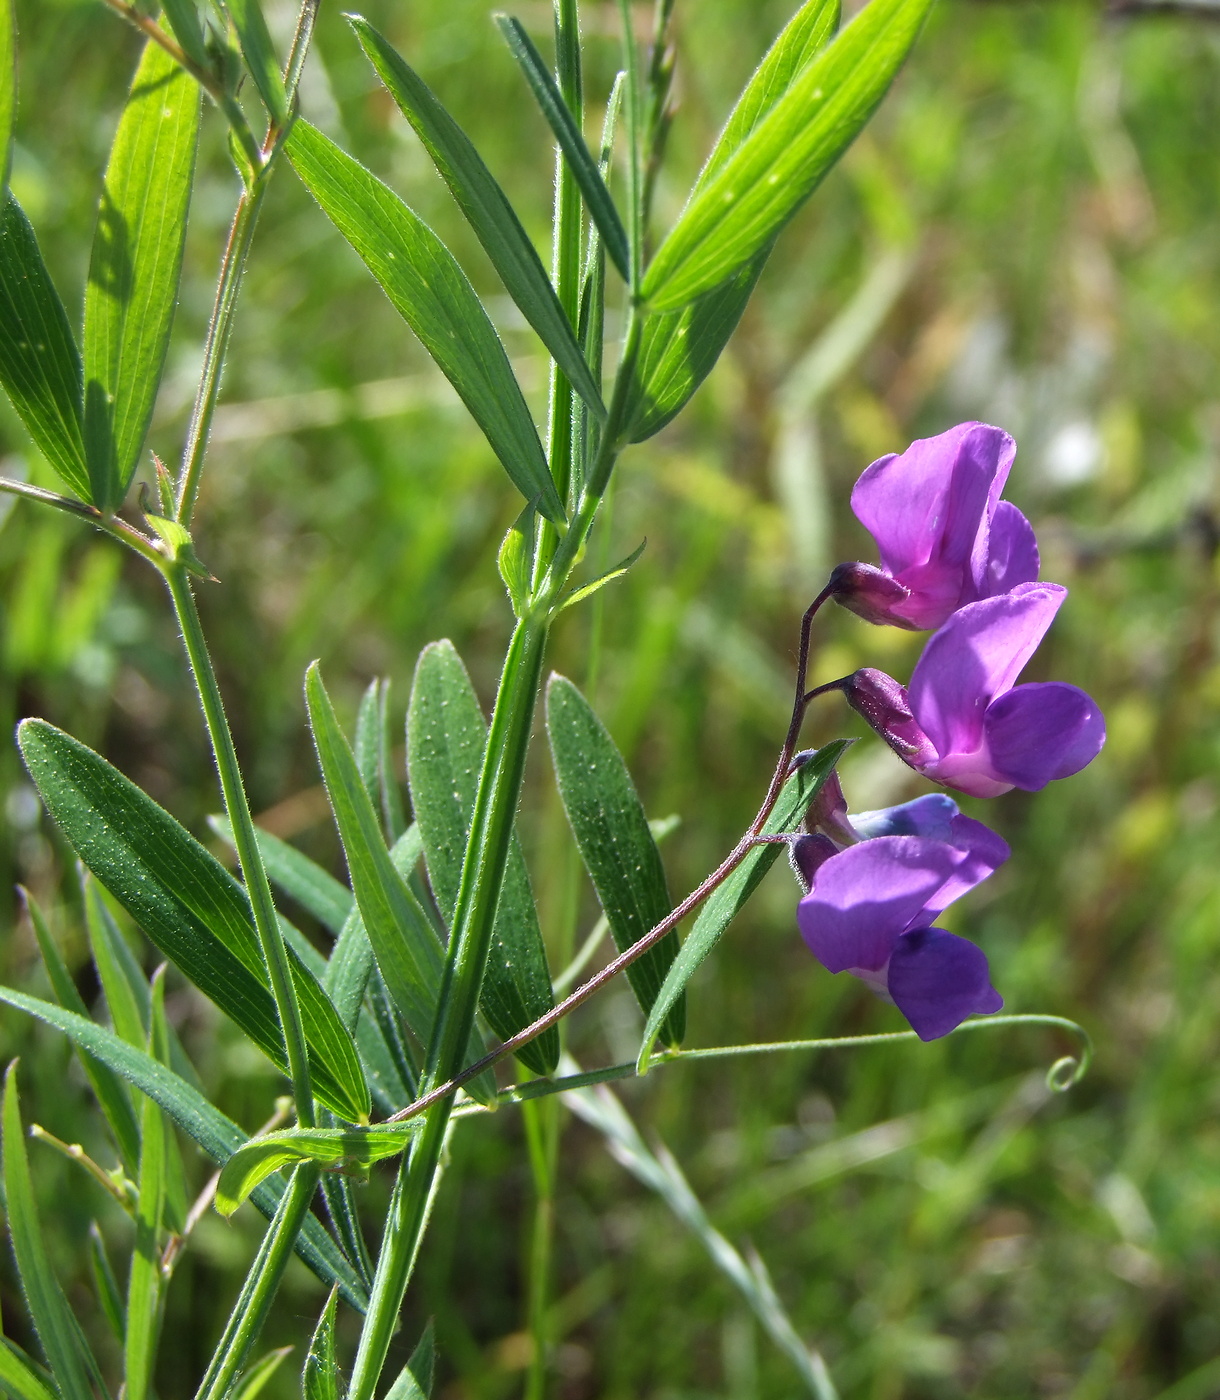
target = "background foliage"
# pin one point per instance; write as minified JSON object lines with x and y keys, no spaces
{"x":1026,"y":235}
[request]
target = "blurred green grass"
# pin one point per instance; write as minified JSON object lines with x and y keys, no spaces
{"x":1027,"y":234}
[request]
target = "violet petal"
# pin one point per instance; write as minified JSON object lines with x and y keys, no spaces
{"x":1043,"y":731}
{"x":937,"y":980}
{"x":930,"y":815}
{"x":864,"y":898}
{"x":975,"y":657}
{"x":984,"y":853}
{"x":1007,"y":557}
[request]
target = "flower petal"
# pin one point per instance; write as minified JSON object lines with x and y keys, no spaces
{"x":866,"y":897}
{"x":1007,"y":556}
{"x":975,"y":657}
{"x":1039,"y":732}
{"x":984,"y":853}
{"x":931,"y":815}
{"x":937,"y":980}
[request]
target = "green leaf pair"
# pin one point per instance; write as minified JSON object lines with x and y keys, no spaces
{"x":90,"y":419}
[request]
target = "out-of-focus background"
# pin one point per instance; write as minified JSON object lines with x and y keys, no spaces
{"x":1028,"y":234}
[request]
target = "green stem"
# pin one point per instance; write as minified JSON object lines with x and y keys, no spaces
{"x":635,"y":190}
{"x":254,"y":1302}
{"x":542,"y":1122}
{"x":478,"y":893}
{"x":237,"y":807}
{"x":109,"y":524}
{"x":232,"y":269}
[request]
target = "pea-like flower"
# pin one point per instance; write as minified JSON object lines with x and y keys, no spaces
{"x":944,"y":537}
{"x":964,"y":722}
{"x":871,"y":909}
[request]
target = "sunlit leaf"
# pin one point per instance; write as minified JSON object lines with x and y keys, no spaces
{"x":134,"y":268}
{"x":320,"y":1378}
{"x":430,"y":291}
{"x":254,"y":1379}
{"x":8,"y":90}
{"x":259,"y":53}
{"x":741,"y":208}
{"x":616,"y":845}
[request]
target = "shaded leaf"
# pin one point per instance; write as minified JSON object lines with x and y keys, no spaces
{"x":299,"y":877}
{"x":741,"y":208}
{"x":19,"y":1378}
{"x":39,"y":363}
{"x":218,"y":1136}
{"x":134,"y":268}
{"x":615,"y":843}
{"x":105,"y":1285}
{"x":259,"y":53}
{"x":571,"y":143}
{"x":187,"y":904}
{"x":724,"y":903}
{"x":446,"y":737}
{"x":320,"y":1378}
{"x":429,"y":290}
{"x":486,"y":207}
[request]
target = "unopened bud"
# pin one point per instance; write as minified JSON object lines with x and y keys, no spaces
{"x":885,"y":706}
{"x":808,"y":854}
{"x":870,"y":594}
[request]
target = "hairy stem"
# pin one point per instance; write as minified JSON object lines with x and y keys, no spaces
{"x":237,"y":807}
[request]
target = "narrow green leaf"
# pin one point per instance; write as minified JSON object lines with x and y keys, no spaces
{"x":61,"y":1339}
{"x":8,"y":90}
{"x":415,"y":1379}
{"x":299,"y":877}
{"x":183,"y":18}
{"x":389,"y":781}
{"x":105,"y":1285}
{"x":259,"y":53}
{"x":112,"y":1097}
{"x":404,"y":943}
{"x":187,"y":904}
{"x":127,"y":1015}
{"x":337,"y":1149}
{"x":144,"y":1280}
{"x":446,"y":736}
{"x":430,"y":291}
{"x":615,"y":843}
{"x":320,"y":1378}
{"x":134,"y":268}
{"x":724,"y":903}
{"x":571,"y":143}
{"x":365,"y":750}
{"x":19,"y":1378}
{"x":39,"y":363}
{"x":515,"y":560}
{"x":254,"y":1378}
{"x":743,"y":206}
{"x":486,"y":207}
{"x":587,"y":590}
{"x":218,"y":1136}
{"x":340,"y":1201}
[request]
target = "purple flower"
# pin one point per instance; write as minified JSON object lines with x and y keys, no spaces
{"x":963,"y":722}
{"x":870,"y":910}
{"x":944,"y":536}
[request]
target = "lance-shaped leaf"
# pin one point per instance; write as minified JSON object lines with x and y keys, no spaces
{"x":105,"y":1285}
{"x":39,"y":362}
{"x":486,"y":207}
{"x":188,"y":904}
{"x":679,"y":348}
{"x":577,"y":155}
{"x":725,"y":902}
{"x":18,"y":1376}
{"x":62,"y":1341}
{"x":415,"y":1379}
{"x":320,"y":1377}
{"x":8,"y":90}
{"x":218,"y":1136}
{"x":758,"y":189}
{"x":616,"y":845}
{"x":259,"y":53}
{"x":134,"y":268}
{"x":404,"y":942}
{"x":446,"y":737}
{"x":254,"y":1379}
{"x":422,"y":279}
{"x":183,"y":19}
{"x":111,"y":1096}
{"x":334,"y":1148}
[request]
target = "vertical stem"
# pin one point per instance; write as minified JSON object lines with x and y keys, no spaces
{"x":635,"y":192}
{"x":478,"y":893}
{"x":266,"y":921}
{"x":254,"y":1302}
{"x":542,"y":1119}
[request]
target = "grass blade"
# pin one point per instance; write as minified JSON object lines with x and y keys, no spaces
{"x":761,"y":185}
{"x":19,"y":1378}
{"x":724,"y":904}
{"x":217,"y":1135}
{"x":187,"y":904}
{"x":134,"y":268}
{"x":571,"y":143}
{"x":39,"y":363}
{"x":487,"y":210}
{"x":404,"y":943}
{"x":429,"y":290}
{"x":254,"y":1379}
{"x":446,"y":737}
{"x":320,"y":1378}
{"x":615,"y":843}
{"x":60,"y":1338}
{"x":259,"y":53}
{"x":105,"y":1285}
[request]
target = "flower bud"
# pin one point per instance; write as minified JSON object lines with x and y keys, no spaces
{"x":870,"y":594}
{"x":884,"y":704}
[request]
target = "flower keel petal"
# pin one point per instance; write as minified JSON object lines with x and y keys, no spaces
{"x":937,"y":980}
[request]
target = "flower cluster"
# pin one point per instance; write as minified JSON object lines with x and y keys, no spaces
{"x":958,"y":559}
